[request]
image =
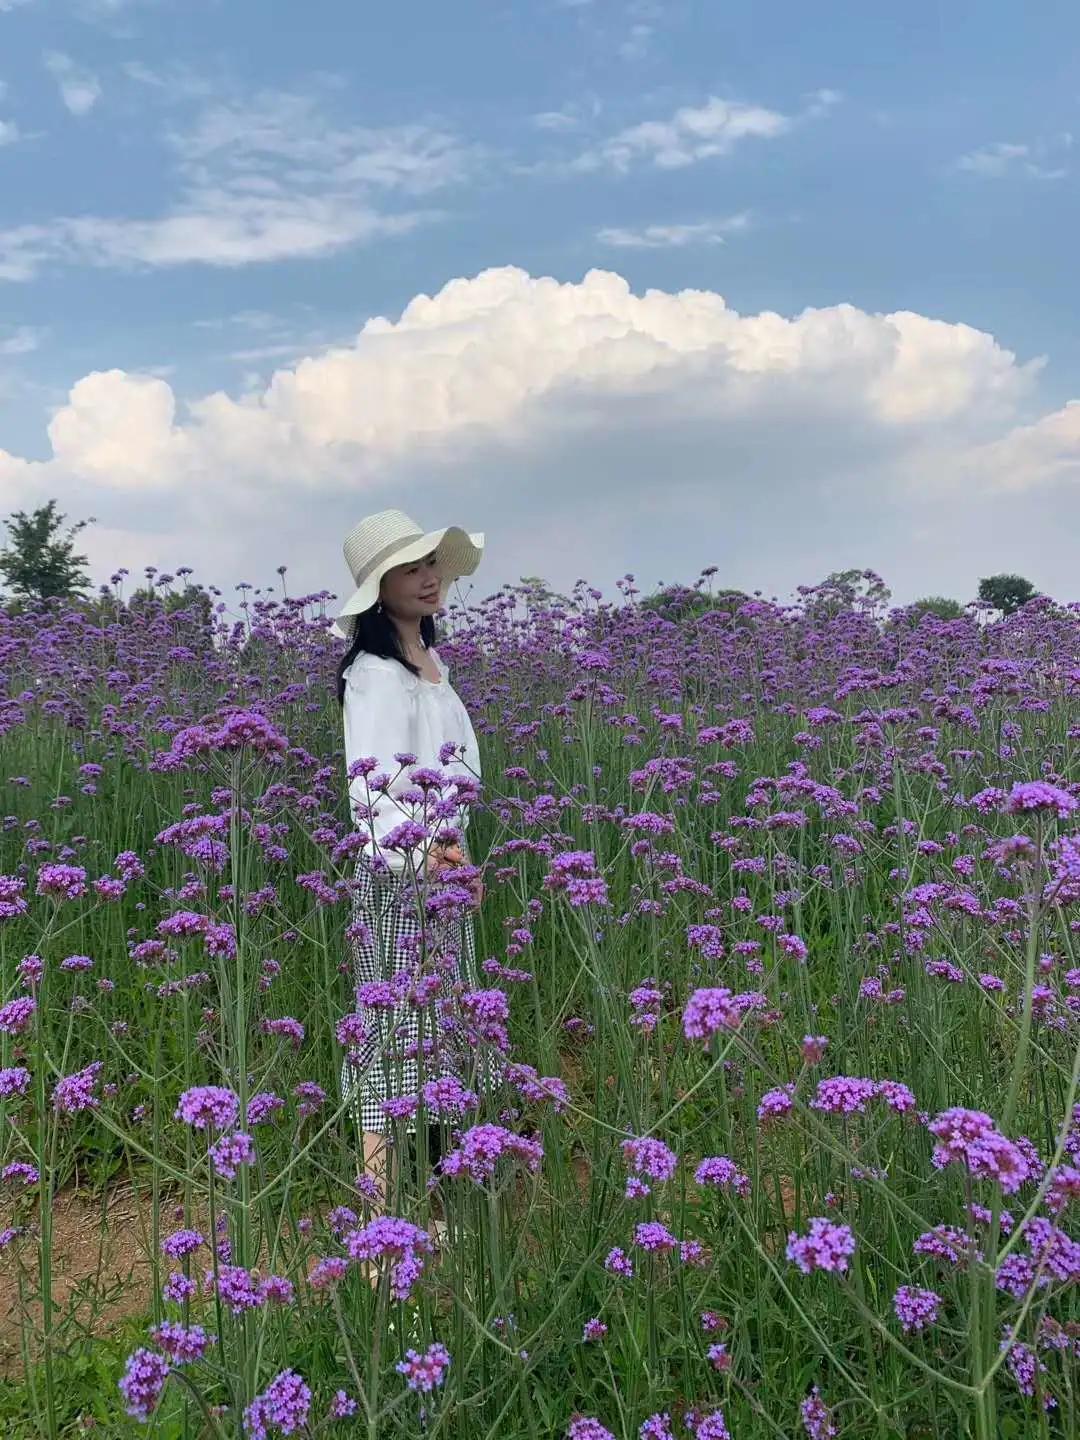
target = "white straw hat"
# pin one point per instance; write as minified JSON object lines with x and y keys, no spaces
{"x":390,"y":538}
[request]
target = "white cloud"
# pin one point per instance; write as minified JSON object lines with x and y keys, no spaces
{"x":531,"y":401}
{"x":11,"y":4}
{"x":261,"y":182}
{"x":692,"y":134}
{"x":1004,"y":159}
{"x":80,"y":90}
{"x":636,"y":44}
{"x":660,"y":237}
{"x":555,"y":120}
{"x":9,"y":132}
{"x":21,"y":341}
{"x":1039,"y":455}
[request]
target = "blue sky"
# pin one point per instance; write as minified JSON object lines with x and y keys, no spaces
{"x":204,"y":204}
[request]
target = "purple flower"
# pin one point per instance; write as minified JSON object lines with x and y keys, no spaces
{"x":652,"y":1236}
{"x":843,"y":1095}
{"x":262,"y":1106}
{"x":400,"y":1240}
{"x":178,"y":1288}
{"x":595,"y":1329}
{"x":425,"y":1372}
{"x":827,"y":1247}
{"x":278,"y":1289}
{"x":283,"y":1405}
{"x":183,"y":1347}
{"x":327,"y":1272}
{"x":232,"y":1151}
{"x":342,"y":1405}
{"x":656,"y":1427}
{"x":14,"y":1081}
{"x":817,"y":1422}
{"x":1024,"y":1366}
{"x":21,"y":1171}
{"x":710,"y":1010}
{"x":915,"y":1308}
{"x":287,"y":1026}
{"x":713,"y":1427}
{"x":181,"y":1243}
{"x":208,"y":1106}
{"x":76,"y":1092}
{"x":617,"y":1263}
{"x":12,"y":893}
{"x":1038,"y":795}
{"x":482,"y":1145}
{"x":238,"y":1290}
{"x":77,"y":962}
{"x":16,"y":1015}
{"x":775,"y":1103}
{"x":584,"y":1427}
{"x":65,"y":882}
{"x":970,"y":1138}
{"x":142,"y":1383}
{"x":650,"y":1157}
{"x":720,"y":1171}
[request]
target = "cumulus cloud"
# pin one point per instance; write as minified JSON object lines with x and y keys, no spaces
{"x":790,"y":444}
{"x":79,"y":89}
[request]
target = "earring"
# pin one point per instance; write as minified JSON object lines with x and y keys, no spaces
{"x":378,"y":608}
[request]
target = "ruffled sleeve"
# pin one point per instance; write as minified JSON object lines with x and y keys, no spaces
{"x":379,"y":715}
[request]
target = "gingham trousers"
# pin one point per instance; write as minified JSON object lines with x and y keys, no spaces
{"x":409,"y":1044}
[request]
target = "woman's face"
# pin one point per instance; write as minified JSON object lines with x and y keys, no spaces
{"x":411,"y":591}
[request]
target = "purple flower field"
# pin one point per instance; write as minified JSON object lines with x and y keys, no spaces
{"x":780,"y":945}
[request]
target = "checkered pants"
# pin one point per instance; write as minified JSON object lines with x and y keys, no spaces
{"x":409,"y":1043}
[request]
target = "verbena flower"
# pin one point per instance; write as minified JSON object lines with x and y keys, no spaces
{"x":208,"y":1106}
{"x":182,"y":1346}
{"x":1029,"y":795}
{"x":915,"y":1308}
{"x":284,"y":1406}
{"x":815,"y":1416}
{"x":584,"y":1427}
{"x":142,"y":1382}
{"x":425,"y":1372}
{"x":76,"y":1092}
{"x":826,"y":1247}
{"x":718,"y":1170}
{"x":969,"y":1137}
{"x":16,"y":1015}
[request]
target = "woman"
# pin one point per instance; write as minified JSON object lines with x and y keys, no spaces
{"x":396,"y":697}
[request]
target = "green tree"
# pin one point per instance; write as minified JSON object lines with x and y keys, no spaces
{"x":684,"y":602}
{"x":39,"y":563}
{"x":1006,"y":592}
{"x":846,"y":590}
{"x":940,"y":605}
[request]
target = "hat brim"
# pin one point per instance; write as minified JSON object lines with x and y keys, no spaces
{"x":458,"y":552}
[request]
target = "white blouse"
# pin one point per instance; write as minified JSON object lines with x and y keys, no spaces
{"x":388,"y":709}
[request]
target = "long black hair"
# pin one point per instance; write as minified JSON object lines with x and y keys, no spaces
{"x":375,"y":632}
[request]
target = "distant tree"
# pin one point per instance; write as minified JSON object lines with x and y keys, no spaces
{"x":538,"y":592}
{"x":39,"y":564}
{"x":845,"y":590}
{"x":684,"y":602}
{"x":940,"y":605}
{"x":1006,"y":592}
